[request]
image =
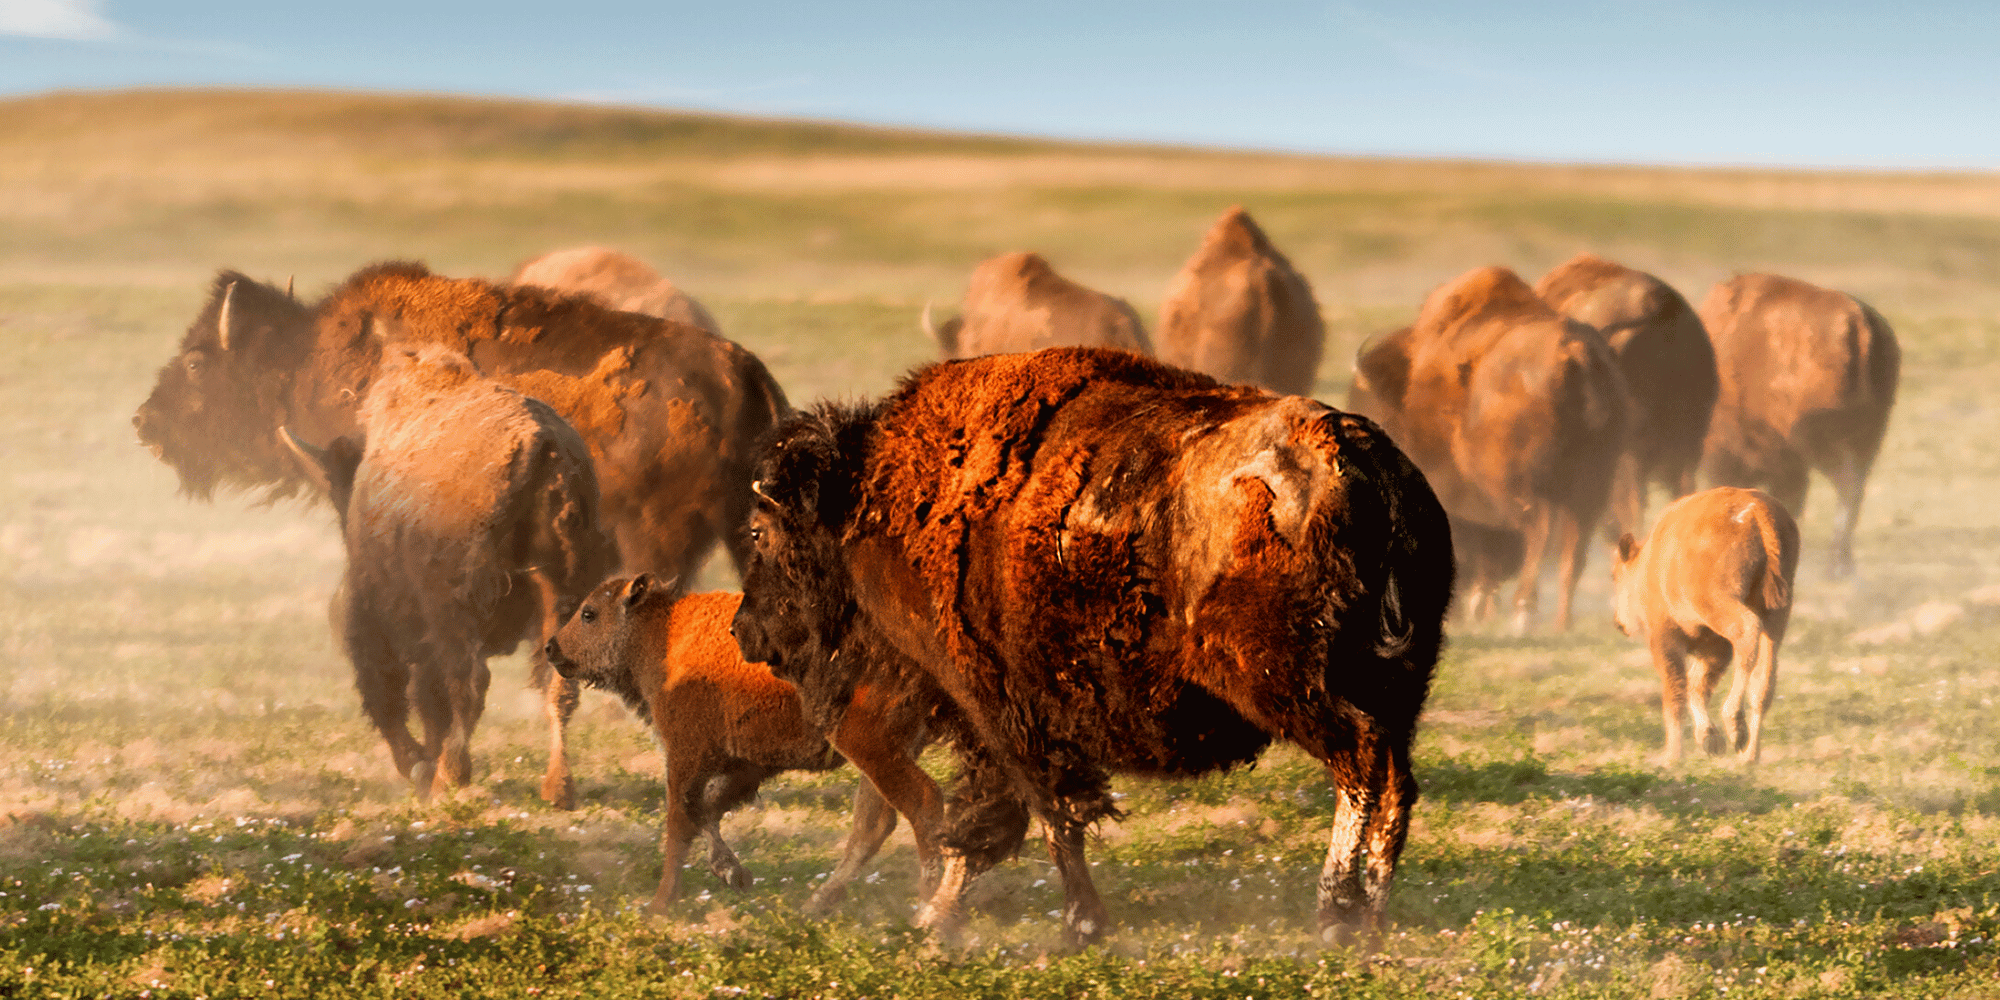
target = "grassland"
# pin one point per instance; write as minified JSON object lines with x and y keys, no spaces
{"x":191,"y":804}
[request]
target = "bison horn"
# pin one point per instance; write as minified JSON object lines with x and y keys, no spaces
{"x":222,"y":317}
{"x":757,"y":487}
{"x":930,"y":329}
{"x":288,"y":287}
{"x":313,"y":459}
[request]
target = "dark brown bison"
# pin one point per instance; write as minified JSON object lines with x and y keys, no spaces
{"x":1808,"y":379}
{"x":614,"y":279}
{"x":1713,"y":579}
{"x":1239,"y":312}
{"x":469,"y":513}
{"x":1517,"y":417}
{"x":670,"y":413}
{"x":1669,"y":368}
{"x":1017,"y":302}
{"x":724,"y":725}
{"x":1110,"y":564}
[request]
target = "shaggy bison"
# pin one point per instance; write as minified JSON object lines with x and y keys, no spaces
{"x":1240,"y":313}
{"x":614,"y":279}
{"x":1713,"y":579}
{"x":469,"y":513}
{"x":1517,"y":417}
{"x":1110,"y":564}
{"x":670,"y":413}
{"x":1668,"y":364}
{"x":724,"y":725}
{"x":1017,"y":302}
{"x":1808,"y":379}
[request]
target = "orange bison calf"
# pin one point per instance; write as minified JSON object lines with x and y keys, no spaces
{"x":1713,"y":579}
{"x":724,"y":725}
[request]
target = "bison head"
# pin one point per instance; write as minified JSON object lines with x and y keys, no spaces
{"x":600,"y":645}
{"x":798,"y":601}
{"x":216,"y":403}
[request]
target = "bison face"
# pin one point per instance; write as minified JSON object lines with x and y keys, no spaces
{"x":216,"y":406}
{"x":1625,"y":602}
{"x":797,"y":599}
{"x":599,"y":646}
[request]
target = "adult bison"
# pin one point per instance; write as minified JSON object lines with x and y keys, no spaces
{"x":1515,"y":414}
{"x":1808,"y":379}
{"x":1110,"y":564}
{"x":1668,"y":364}
{"x":669,"y":413}
{"x":1017,"y":302}
{"x":469,"y":513}
{"x":614,"y":279}
{"x":1239,"y":312}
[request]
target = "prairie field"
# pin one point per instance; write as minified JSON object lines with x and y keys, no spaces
{"x":192,"y":805}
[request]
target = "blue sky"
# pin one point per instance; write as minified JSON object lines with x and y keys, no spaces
{"x":1833,"y":83}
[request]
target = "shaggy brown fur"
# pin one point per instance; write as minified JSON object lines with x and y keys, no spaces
{"x":616,"y":280}
{"x":470,"y":518}
{"x":1517,"y":417}
{"x":724,"y":725}
{"x":670,"y":413}
{"x":1017,"y":302}
{"x":1668,"y":364}
{"x":1808,"y":379}
{"x":1239,"y":312}
{"x":1108,"y":563}
{"x":1713,"y":579}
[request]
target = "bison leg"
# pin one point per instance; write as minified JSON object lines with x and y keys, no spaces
{"x":1534,"y":542}
{"x":1389,"y":827}
{"x":1359,"y":776}
{"x":559,"y":698}
{"x":885,"y":753}
{"x":1628,"y":498}
{"x":1752,"y":685}
{"x":1084,"y":918}
{"x":1849,"y":481}
{"x":1712,"y":652}
{"x":450,"y":700}
{"x":735,"y":785}
{"x":985,"y":824}
{"x":874,"y":820}
{"x":1670,"y":658}
{"x":677,"y":831}
{"x":1574,"y":553}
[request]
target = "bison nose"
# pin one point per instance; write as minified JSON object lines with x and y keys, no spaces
{"x":562,"y":664}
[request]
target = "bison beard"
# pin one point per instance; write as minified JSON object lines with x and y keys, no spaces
{"x":1109,"y":564}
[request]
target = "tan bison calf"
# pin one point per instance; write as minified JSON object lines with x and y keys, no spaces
{"x":1240,"y":312}
{"x":724,"y":724}
{"x":1713,"y":579}
{"x":618,"y":280}
{"x":1017,"y":302}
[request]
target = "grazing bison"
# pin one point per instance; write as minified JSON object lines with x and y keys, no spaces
{"x":1668,"y":364}
{"x":614,"y":279}
{"x":1110,"y":564}
{"x":724,"y":725}
{"x":1808,"y":379}
{"x":1516,"y":416}
{"x":670,"y":413}
{"x":1017,"y":302}
{"x":470,"y":518}
{"x":1239,"y":312}
{"x":1713,"y":579}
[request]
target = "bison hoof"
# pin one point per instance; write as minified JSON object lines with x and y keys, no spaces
{"x":825,"y":901}
{"x":559,"y":792}
{"x":1714,"y":743}
{"x":946,"y":923}
{"x":733,"y":875}
{"x":423,"y":774}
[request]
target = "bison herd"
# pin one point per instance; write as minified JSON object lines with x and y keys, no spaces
{"x":1052,"y":553}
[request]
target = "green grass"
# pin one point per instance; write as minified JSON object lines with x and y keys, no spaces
{"x":192,"y":806}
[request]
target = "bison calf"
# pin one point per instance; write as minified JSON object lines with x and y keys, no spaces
{"x":724,"y":724}
{"x":1713,"y":579}
{"x":470,"y":516}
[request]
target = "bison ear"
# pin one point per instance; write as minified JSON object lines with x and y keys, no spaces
{"x":645,"y":586}
{"x":1627,"y":547}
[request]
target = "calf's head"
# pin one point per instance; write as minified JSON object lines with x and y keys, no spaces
{"x":602,"y":643}
{"x":214,"y":404}
{"x":798,"y":601}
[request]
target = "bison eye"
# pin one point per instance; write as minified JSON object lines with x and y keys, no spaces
{"x":588,"y":615}
{"x":194,"y":364}
{"x":756,"y":534}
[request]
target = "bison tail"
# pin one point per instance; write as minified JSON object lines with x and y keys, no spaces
{"x":1777,"y":589}
{"x":1396,"y":633}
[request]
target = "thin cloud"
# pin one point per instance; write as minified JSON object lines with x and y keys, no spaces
{"x":69,"y":20}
